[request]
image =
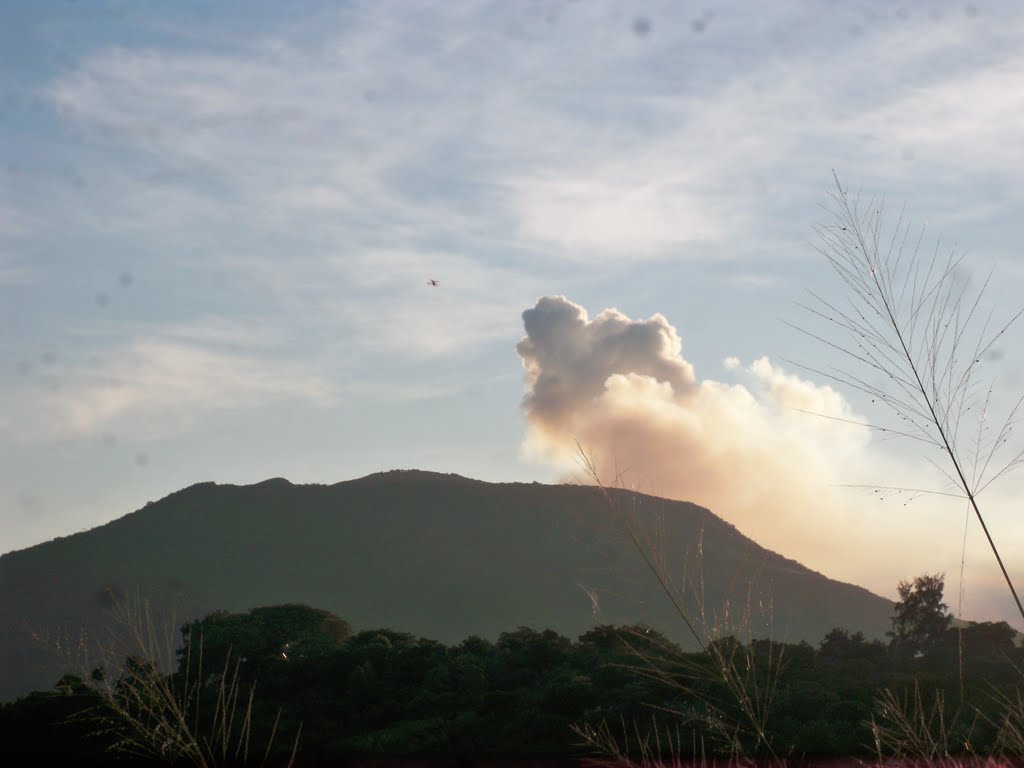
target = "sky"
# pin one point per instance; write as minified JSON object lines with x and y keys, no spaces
{"x":217,"y":224}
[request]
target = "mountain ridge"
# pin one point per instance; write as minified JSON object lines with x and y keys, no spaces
{"x":440,"y":555}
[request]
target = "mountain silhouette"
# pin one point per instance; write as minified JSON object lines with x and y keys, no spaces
{"x":440,"y":556}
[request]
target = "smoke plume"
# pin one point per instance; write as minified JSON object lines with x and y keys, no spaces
{"x":749,"y":451}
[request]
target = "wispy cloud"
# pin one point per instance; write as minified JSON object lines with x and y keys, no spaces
{"x":161,"y":385}
{"x":593,"y":217}
{"x":564,"y":131}
{"x":936,"y":124}
{"x":235,"y":332}
{"x":15,"y":222}
{"x":17,"y":225}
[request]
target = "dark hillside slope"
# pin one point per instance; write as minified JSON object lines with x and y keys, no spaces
{"x":437,"y":555}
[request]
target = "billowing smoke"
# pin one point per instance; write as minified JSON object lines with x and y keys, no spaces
{"x":571,"y":358}
{"x":622,"y":390}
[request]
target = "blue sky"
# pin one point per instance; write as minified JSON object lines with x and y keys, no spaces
{"x":217,"y":222}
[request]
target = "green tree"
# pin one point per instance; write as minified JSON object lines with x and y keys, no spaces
{"x":920,"y":618}
{"x":270,"y":635}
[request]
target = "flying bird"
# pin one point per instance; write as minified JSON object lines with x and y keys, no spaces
{"x":434,"y":283}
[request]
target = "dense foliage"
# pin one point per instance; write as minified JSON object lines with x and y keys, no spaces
{"x":390,"y":693}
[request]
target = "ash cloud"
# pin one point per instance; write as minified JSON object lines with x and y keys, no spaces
{"x":622,"y":389}
{"x":752,"y":451}
{"x":570,"y":358}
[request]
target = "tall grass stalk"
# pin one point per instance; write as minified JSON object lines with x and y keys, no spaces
{"x":1010,"y":727}
{"x":909,"y":728}
{"x":915,"y":340}
{"x":750,"y":681}
{"x":155,"y":713}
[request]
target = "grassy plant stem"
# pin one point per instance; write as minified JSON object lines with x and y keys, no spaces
{"x":930,"y":317}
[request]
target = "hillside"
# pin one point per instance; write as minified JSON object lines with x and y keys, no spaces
{"x":438,"y":555}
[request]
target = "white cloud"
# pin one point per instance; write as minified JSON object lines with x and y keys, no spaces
{"x":17,"y":225}
{"x":160,"y":385}
{"x":969,"y":121}
{"x":15,"y":222}
{"x":595,"y":217}
{"x":13,"y":271}
{"x":240,"y":332}
{"x":561,"y":130}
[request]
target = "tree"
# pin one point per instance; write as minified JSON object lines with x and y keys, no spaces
{"x":177,"y":718}
{"x":917,"y":340}
{"x":839,"y":644}
{"x":990,"y":640}
{"x":268,"y":635}
{"x":921,"y":619}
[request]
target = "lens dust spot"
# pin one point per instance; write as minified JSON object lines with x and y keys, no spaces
{"x":959,"y":277}
{"x":102,"y":300}
{"x":109,"y":441}
{"x":32,"y":506}
{"x":125,"y":279}
{"x":142,"y":459}
{"x":700,"y":24}
{"x":641,"y":26}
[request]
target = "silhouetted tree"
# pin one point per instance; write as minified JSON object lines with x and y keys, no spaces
{"x":920,"y":618}
{"x":262,"y":636}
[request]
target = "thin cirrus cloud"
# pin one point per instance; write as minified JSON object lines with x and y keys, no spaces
{"x":497,"y":120}
{"x":933,"y":123}
{"x":16,"y":227}
{"x":162,"y":385}
{"x":13,"y":222}
{"x":238,"y":333}
{"x":338,"y":210}
{"x":257,"y":130}
{"x":595,"y":218}
{"x":260,"y":129}
{"x":564,"y":131}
